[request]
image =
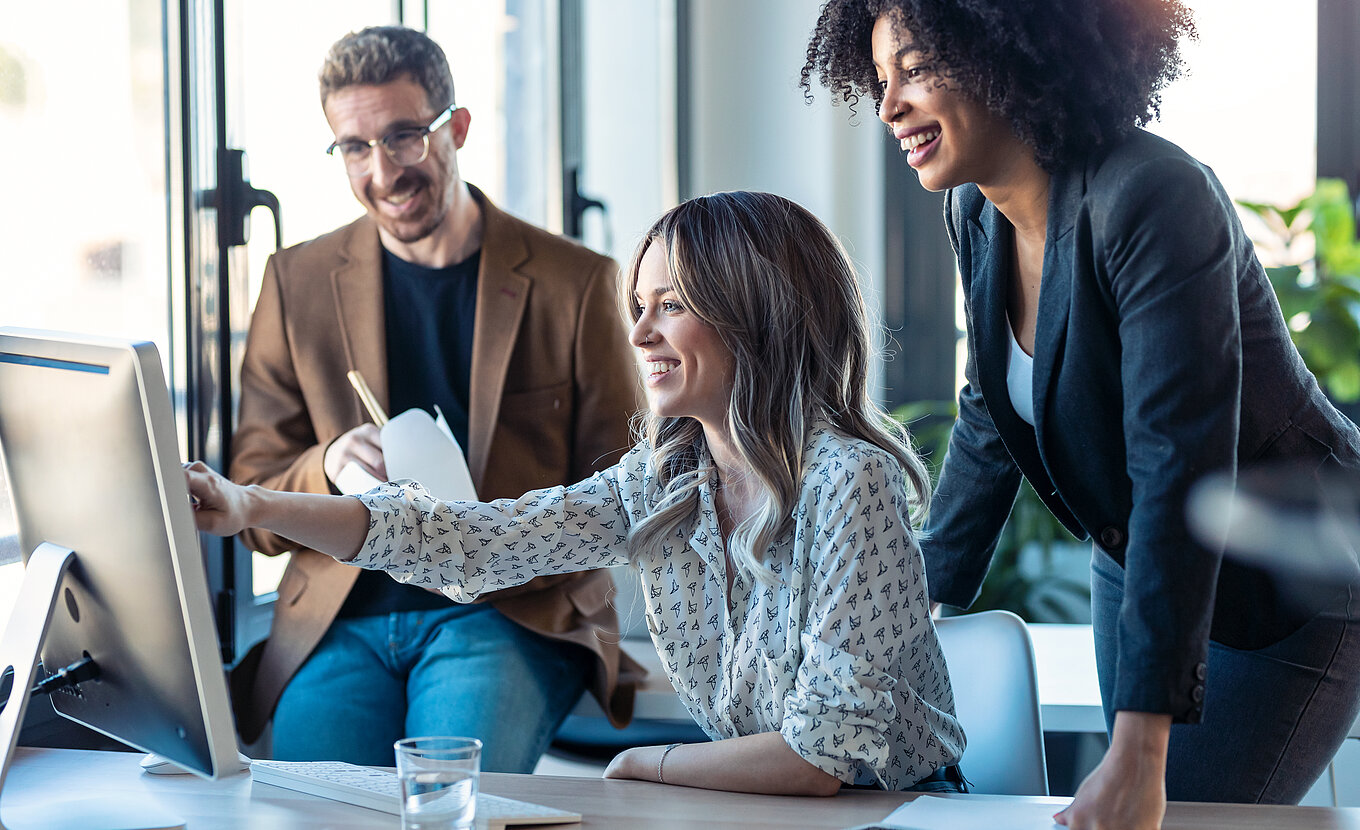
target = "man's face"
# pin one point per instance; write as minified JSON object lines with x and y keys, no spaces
{"x":408,"y":203}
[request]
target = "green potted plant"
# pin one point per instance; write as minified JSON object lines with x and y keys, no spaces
{"x":1313,"y":260}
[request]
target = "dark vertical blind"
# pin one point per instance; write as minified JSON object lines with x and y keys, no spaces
{"x":918,"y":294}
{"x":1338,"y":90}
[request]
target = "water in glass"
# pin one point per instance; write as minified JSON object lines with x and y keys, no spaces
{"x":439,"y":800}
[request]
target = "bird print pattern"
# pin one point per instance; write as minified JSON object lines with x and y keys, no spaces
{"x":840,"y":656}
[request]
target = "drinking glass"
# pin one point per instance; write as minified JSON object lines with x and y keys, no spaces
{"x":438,"y":782}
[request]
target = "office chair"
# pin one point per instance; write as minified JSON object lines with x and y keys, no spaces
{"x":996,"y":697}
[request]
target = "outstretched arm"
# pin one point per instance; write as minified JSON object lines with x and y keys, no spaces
{"x":334,"y":525}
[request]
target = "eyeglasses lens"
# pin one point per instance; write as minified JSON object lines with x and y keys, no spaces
{"x":403,"y":147}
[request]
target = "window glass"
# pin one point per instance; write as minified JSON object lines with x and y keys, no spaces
{"x":277,"y":116}
{"x":503,"y":55}
{"x":629,"y":153}
{"x":83,"y":227}
{"x":1248,"y":108}
{"x":274,"y":55}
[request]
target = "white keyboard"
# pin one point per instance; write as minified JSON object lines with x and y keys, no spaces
{"x":379,"y":790}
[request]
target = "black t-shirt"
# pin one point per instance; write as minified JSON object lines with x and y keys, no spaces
{"x":429,"y":314}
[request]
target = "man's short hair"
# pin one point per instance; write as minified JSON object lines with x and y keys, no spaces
{"x":381,"y":54}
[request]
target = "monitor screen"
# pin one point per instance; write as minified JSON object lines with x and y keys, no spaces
{"x":87,"y":433}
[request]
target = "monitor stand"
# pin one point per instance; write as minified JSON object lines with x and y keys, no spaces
{"x":20,"y":647}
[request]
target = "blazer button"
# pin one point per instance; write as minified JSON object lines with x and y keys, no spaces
{"x":1201,"y":671}
{"x":1197,"y":694}
{"x":1195,"y":715}
{"x":1111,"y":537}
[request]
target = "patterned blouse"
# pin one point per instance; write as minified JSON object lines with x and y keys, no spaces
{"x":840,"y":657}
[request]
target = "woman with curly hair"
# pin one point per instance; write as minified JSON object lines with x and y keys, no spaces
{"x":767,"y":511}
{"x":1123,"y":341}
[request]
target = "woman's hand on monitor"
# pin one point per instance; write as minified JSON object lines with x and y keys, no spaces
{"x":333,"y":525}
{"x":220,"y":507}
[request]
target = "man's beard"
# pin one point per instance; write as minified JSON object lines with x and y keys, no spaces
{"x":417,"y":227}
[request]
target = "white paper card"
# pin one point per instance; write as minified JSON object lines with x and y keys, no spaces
{"x":415,"y":447}
{"x":354,"y":480}
{"x":933,"y":813}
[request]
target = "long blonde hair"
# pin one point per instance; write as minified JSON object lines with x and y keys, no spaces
{"x":782,"y":294}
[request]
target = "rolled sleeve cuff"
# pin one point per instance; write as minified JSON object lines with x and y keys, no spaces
{"x":838,"y":713}
{"x":396,"y":540}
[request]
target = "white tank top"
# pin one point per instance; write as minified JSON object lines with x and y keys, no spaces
{"x":1020,"y":378}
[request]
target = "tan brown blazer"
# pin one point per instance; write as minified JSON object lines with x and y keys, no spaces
{"x":553,"y":385}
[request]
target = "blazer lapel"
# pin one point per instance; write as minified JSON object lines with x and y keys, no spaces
{"x":990,"y":241}
{"x":502,"y":298}
{"x":358,"y":296}
{"x":1055,"y":295}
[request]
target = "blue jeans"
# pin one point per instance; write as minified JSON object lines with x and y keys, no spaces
{"x":1273,"y":717}
{"x":465,"y":670}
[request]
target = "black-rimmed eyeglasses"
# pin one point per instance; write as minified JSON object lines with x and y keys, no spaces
{"x":405,"y":147}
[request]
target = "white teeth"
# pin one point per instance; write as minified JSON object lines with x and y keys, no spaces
{"x":911,"y":142}
{"x":658,"y":368}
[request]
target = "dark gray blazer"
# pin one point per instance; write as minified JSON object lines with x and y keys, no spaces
{"x":1161,"y":355}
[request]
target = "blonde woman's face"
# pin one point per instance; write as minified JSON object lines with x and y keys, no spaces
{"x":687,"y":371}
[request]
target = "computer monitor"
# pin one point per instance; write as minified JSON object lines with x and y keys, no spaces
{"x":87,"y":433}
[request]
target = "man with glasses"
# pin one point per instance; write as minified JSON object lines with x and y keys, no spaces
{"x":435,"y":297}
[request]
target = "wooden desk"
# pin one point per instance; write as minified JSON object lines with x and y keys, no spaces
{"x":51,"y":776}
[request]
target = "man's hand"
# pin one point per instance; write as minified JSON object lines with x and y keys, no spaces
{"x":1127,"y":790}
{"x":363,"y":446}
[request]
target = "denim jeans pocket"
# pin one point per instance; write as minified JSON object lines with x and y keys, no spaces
{"x":1104,"y":566}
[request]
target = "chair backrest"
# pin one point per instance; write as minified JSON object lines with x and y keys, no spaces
{"x":996,"y":697}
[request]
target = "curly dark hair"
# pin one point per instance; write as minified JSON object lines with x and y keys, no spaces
{"x":1069,"y":75}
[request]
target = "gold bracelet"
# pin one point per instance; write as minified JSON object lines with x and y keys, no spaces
{"x":661,"y":762}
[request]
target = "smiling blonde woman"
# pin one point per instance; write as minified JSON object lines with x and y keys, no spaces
{"x":767,"y":511}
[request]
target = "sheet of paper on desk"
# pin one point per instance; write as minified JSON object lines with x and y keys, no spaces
{"x":418,"y":447}
{"x":931,"y":813}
